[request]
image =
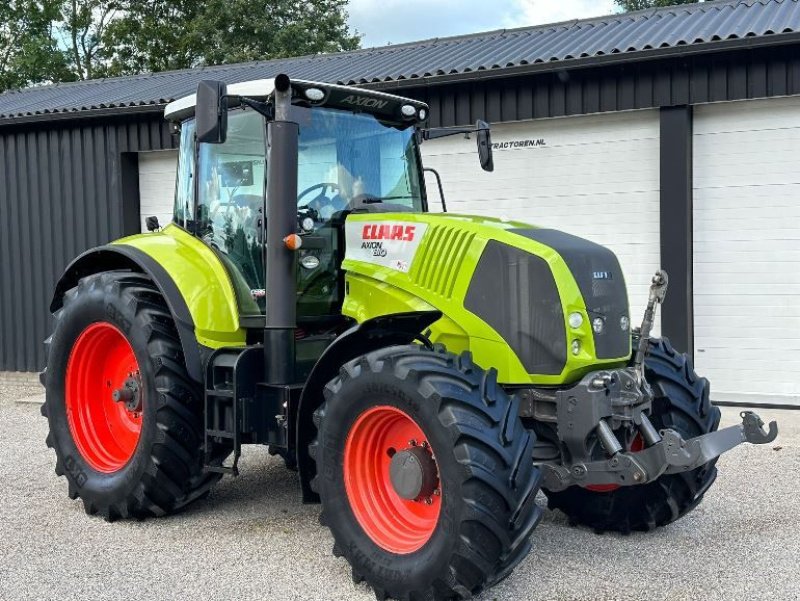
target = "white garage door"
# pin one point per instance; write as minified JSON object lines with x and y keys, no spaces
{"x":157,"y":172}
{"x":593,"y":176}
{"x":747,"y":249}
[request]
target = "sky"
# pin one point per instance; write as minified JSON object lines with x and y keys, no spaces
{"x":396,"y":21}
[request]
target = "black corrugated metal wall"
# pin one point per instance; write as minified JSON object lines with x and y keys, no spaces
{"x":690,"y":80}
{"x":61,"y":192}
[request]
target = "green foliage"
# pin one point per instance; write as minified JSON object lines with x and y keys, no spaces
{"x":84,"y":34}
{"x":174,"y":34}
{"x":64,"y":40}
{"x":629,"y":5}
{"x":28,"y":50}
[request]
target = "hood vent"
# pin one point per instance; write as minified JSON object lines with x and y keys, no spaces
{"x":440,"y":258}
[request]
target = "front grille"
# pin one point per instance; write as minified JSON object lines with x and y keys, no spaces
{"x":599,"y":277}
{"x":515,"y":293}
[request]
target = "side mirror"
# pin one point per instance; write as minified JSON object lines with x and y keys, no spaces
{"x":211,"y":112}
{"x":484,"y":139}
{"x":151,"y":223}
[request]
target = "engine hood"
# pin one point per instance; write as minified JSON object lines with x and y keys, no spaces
{"x":506,"y":289}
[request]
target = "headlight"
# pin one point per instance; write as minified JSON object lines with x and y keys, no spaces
{"x":307,"y":224}
{"x":309,"y":262}
{"x":597,"y":325}
{"x":315,"y":94}
{"x":624,"y":323}
{"x":575,"y":320}
{"x":576,"y":347}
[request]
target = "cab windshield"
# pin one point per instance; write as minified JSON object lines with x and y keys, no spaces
{"x":352,"y":161}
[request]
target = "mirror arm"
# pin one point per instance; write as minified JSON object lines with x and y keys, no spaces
{"x":442,"y":132}
{"x":263,"y":108}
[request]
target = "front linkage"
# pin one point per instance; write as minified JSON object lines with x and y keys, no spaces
{"x":621,"y":400}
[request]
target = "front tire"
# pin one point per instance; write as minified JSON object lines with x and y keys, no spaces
{"x":682,"y":403}
{"x":141,"y":455}
{"x":466,"y":520}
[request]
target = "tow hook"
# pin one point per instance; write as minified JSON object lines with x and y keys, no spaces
{"x":672,"y":454}
{"x":753,"y":427}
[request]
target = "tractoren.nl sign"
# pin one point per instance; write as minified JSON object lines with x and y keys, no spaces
{"x":512,"y":144}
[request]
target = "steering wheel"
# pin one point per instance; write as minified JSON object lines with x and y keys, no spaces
{"x":319,"y":206}
{"x":336,"y":190}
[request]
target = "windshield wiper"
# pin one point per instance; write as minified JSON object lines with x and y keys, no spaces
{"x":376,"y":199}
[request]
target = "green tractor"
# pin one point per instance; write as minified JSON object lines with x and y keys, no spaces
{"x":426,"y":374}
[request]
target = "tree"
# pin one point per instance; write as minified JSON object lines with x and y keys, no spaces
{"x":83,"y":34}
{"x":629,"y":5}
{"x":29,"y":53}
{"x":45,"y":41}
{"x":158,"y":35}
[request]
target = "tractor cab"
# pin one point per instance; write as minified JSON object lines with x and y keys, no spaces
{"x":357,"y":152}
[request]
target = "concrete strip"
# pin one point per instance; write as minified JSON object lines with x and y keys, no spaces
{"x":16,"y":378}
{"x":36,"y":399}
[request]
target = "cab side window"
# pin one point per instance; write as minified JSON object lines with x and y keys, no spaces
{"x":183,"y":213}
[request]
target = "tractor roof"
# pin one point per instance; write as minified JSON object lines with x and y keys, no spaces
{"x":346,"y":97}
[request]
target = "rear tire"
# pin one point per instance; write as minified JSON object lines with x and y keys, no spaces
{"x":474,"y":528}
{"x":681,"y":403}
{"x":161,"y":468}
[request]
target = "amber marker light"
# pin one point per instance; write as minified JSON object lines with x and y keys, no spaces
{"x":293,"y":241}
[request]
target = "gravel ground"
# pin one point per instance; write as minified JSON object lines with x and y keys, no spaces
{"x":252,"y":539}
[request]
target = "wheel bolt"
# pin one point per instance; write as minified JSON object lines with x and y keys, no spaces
{"x":428,"y":501}
{"x":412,"y":443}
{"x":437,"y":492}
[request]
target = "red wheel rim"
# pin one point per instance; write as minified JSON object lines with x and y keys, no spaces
{"x":393,"y":523}
{"x":637,"y":444}
{"x":105,"y":431}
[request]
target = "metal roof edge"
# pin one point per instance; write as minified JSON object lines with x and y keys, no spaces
{"x":80,"y":115}
{"x":777,"y":39}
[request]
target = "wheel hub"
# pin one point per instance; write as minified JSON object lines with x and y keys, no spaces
{"x":129,"y":394}
{"x":413,"y":473}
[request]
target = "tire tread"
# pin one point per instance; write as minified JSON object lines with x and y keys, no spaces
{"x":462,"y":389}
{"x":174,"y":475}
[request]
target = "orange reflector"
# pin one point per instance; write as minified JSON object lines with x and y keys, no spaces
{"x":293,"y":241}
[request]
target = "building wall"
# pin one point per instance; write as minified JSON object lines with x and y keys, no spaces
{"x":63,"y":189}
{"x":572,"y":174}
{"x":746,"y":219}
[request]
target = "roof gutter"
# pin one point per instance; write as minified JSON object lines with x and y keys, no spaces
{"x":751,"y":43}
{"x":80,"y":115}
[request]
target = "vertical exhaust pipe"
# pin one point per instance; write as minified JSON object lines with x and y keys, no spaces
{"x":281,"y":221}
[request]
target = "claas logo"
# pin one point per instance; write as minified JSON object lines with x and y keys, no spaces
{"x":375,"y":231}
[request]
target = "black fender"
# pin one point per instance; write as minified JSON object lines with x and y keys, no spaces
{"x":119,"y":256}
{"x":370,"y":335}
